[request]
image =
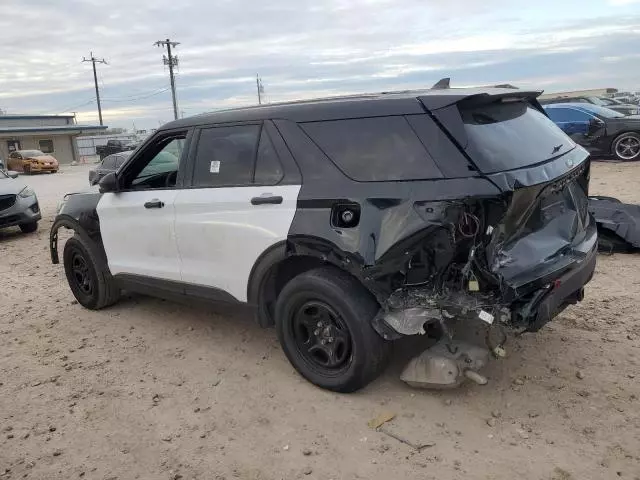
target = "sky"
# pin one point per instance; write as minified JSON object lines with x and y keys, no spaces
{"x":301,"y":49}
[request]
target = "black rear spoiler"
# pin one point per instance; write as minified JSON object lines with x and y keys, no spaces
{"x":471,"y":97}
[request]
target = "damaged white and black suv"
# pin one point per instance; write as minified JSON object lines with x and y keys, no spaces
{"x":350,"y":223}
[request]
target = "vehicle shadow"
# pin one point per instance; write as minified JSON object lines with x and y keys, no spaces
{"x":11,"y":234}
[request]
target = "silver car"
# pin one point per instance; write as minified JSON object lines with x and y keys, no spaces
{"x":18,"y":203}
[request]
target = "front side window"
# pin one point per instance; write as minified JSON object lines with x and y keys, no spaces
{"x":225,"y":156}
{"x":157,"y":166}
{"x":374,"y":149}
{"x":561,"y":115}
{"x":46,"y":146}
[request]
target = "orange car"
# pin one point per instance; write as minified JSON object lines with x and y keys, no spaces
{"x":32,"y":161}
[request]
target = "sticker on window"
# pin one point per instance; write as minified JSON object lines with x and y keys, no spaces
{"x":214,"y":167}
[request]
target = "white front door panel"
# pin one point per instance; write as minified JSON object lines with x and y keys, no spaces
{"x":220,"y":234}
{"x":140,"y":240}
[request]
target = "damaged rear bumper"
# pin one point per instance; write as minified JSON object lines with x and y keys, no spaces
{"x":545,"y":298}
{"x":565,"y":290}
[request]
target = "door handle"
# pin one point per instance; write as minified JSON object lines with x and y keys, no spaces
{"x":274,"y":200}
{"x":155,"y":203}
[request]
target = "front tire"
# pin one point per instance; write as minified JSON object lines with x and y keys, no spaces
{"x":29,"y":227}
{"x":88,"y":275}
{"x":323,"y":322}
{"x":626,"y":147}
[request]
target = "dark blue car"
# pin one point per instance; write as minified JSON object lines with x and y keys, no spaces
{"x":600,"y":130}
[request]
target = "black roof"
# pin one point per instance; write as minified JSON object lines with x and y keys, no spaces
{"x":353,"y":106}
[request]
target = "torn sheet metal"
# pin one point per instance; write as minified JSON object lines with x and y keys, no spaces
{"x":621,"y":219}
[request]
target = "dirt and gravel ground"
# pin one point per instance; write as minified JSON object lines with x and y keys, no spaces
{"x":154,"y":390}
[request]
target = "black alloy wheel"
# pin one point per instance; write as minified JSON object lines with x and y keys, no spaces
{"x":88,"y":274}
{"x":323,"y":319}
{"x":322,"y":338}
{"x":81,"y":273}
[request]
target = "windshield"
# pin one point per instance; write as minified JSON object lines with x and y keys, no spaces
{"x":31,"y":153}
{"x":600,"y":111}
{"x":505,"y":136}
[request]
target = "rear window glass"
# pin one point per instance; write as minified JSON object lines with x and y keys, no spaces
{"x":374,"y":149}
{"x":510,"y":135}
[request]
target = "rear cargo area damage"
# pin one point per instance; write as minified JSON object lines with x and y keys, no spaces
{"x":487,"y":266}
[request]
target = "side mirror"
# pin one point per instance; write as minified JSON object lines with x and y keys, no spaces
{"x":12,"y":174}
{"x":108,"y":183}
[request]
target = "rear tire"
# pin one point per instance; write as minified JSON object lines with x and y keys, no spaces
{"x":323,"y":322}
{"x":626,"y":147}
{"x":29,"y":227}
{"x":88,"y":274}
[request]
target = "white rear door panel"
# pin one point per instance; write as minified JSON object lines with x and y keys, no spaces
{"x":140,"y":240}
{"x":220,"y":234}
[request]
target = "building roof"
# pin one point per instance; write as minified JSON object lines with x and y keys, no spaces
{"x":52,"y":129}
{"x":32,"y":117}
{"x":353,"y":106}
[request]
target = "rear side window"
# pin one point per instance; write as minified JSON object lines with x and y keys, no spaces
{"x":374,"y":149}
{"x":268,"y":167}
{"x":225,"y":156}
{"x":510,"y":135}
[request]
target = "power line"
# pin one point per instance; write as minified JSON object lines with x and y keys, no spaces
{"x":171,"y":61}
{"x":70,"y":109}
{"x":93,"y":61}
{"x":133,"y":98}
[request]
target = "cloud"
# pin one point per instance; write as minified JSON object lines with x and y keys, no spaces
{"x":301,"y":48}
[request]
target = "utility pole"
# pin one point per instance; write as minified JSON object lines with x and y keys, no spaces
{"x":171,"y":61}
{"x":260,"y":88}
{"x":94,"y":60}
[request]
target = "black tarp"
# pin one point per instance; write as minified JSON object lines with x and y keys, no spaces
{"x":618,"y":223}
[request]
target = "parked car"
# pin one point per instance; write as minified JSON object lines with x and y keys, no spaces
{"x":613,"y":104}
{"x":600,"y":130}
{"x":350,"y":223}
{"x":108,"y":164}
{"x":115,"y":146}
{"x":32,"y":161}
{"x":18,"y":204}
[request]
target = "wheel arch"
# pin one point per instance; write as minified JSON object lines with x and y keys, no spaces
{"x":284,"y":261}
{"x":85,"y":231}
